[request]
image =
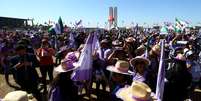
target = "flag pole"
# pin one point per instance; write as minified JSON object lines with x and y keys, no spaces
{"x":161,"y":74}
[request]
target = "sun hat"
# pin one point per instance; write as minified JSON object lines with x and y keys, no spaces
{"x":139,"y":59}
{"x":156,"y":49}
{"x":69,"y":63}
{"x":130,"y":39}
{"x":141,"y":47}
{"x":138,"y":91}
{"x":16,"y":96}
{"x":104,"y":41}
{"x":121,"y":67}
{"x":117,"y":43}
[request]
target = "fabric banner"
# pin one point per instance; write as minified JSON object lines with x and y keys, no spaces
{"x":161,"y":74}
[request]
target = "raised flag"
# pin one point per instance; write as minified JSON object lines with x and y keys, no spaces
{"x":78,"y":23}
{"x":57,"y":28}
{"x":72,"y":40}
{"x":164,"y":30}
{"x":84,"y":70}
{"x":96,"y":46}
{"x":180,"y":25}
{"x":161,"y":74}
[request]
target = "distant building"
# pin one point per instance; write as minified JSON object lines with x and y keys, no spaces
{"x":113,"y":17}
{"x":8,"y":22}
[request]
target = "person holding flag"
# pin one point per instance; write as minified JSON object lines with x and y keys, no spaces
{"x":55,"y":30}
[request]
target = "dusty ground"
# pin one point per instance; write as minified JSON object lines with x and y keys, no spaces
{"x":4,"y":89}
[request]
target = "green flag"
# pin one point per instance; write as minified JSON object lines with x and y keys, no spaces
{"x":57,"y":28}
{"x":180,"y":25}
{"x":164,"y":30}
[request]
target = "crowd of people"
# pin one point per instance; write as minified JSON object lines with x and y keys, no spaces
{"x":128,"y":65}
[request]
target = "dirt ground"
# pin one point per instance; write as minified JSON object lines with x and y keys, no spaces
{"x":4,"y":89}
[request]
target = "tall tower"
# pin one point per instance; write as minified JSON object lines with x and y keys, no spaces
{"x":115,"y":17}
{"x":112,"y":17}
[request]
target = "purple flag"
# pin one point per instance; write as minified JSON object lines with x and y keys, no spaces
{"x":78,"y":23}
{"x":72,"y":41}
{"x":96,"y":46}
{"x":161,"y":75}
{"x":84,"y":72}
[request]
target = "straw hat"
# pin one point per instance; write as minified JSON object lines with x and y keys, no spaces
{"x":121,"y":67}
{"x":117,"y":43}
{"x":104,"y":41}
{"x":130,"y":39}
{"x":156,"y":49}
{"x":139,"y":59}
{"x":141,"y":47}
{"x":138,"y":91}
{"x":16,"y":96}
{"x":69,"y":63}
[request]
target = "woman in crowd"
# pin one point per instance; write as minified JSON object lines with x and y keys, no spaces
{"x":140,"y":65}
{"x":62,"y":87}
{"x":45,"y":55}
{"x":194,"y":68}
{"x":152,"y":70}
{"x":117,"y":53}
{"x":130,"y":46}
{"x":178,"y":80}
{"x":119,"y":77}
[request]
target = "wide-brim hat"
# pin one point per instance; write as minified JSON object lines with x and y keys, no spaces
{"x":138,"y":91}
{"x":139,"y":59}
{"x":140,"y":50}
{"x":130,"y":39}
{"x":63,"y":68}
{"x":141,"y":47}
{"x":16,"y":96}
{"x":156,"y":49}
{"x":117,"y":43}
{"x":121,"y":67}
{"x":104,"y":41}
{"x":69,"y":63}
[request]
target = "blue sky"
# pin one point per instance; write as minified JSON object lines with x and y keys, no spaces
{"x":96,"y":11}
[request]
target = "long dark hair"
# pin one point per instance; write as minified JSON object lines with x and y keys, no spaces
{"x":61,"y":80}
